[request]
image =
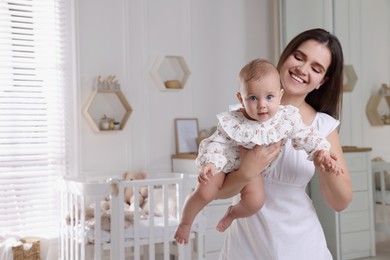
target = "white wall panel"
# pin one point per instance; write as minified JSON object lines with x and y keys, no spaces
{"x":101,"y":49}
{"x":375,"y":68}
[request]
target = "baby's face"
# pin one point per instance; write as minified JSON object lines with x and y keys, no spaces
{"x":261,"y":98}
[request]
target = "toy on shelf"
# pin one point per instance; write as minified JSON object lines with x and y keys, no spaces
{"x":109,"y":83}
{"x":384,"y":90}
{"x":107,"y":123}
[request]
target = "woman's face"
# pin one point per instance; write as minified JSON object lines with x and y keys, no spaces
{"x":304,"y":70}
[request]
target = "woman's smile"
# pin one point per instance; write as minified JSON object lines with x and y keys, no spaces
{"x":295,"y":77}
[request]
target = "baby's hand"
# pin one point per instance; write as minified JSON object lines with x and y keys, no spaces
{"x":327,"y":162}
{"x":208,"y":170}
{"x":332,"y":166}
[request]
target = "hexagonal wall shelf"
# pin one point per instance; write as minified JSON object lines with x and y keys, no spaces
{"x":122,"y":100}
{"x":170,"y":72}
{"x":350,"y":78}
{"x":373,"y":103}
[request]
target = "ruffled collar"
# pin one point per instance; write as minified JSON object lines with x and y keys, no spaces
{"x":243,"y":130}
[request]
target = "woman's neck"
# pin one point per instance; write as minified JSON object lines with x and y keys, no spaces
{"x":307,"y":112}
{"x":293,"y":100}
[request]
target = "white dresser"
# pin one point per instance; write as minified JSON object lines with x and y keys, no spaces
{"x":212,"y":212}
{"x":350,"y":234}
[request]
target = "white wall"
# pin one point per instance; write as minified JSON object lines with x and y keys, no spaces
{"x":375,"y":66}
{"x":225,"y":35}
{"x":216,"y":38}
{"x":364,"y":31}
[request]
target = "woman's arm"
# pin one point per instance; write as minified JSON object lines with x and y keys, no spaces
{"x":336,"y":190}
{"x":252,"y":163}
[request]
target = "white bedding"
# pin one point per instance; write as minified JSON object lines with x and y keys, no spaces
{"x":143,"y":230}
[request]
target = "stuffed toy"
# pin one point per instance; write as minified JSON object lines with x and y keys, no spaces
{"x":143,"y":191}
{"x":105,"y":215}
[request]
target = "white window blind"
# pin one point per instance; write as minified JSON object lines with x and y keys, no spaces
{"x":32,"y":114}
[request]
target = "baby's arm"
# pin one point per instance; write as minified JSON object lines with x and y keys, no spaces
{"x":325,"y":161}
{"x":211,"y":157}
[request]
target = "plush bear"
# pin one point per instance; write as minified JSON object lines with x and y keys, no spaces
{"x":105,"y":215}
{"x":143,"y":191}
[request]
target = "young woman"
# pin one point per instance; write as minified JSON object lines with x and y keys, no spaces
{"x":287,"y":226}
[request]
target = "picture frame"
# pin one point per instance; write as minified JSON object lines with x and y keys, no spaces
{"x":186,"y":135}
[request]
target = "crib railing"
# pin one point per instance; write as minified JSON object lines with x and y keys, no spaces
{"x":75,"y":195}
{"x":383,"y":199}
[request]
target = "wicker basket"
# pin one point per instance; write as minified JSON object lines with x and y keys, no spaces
{"x":32,"y":254}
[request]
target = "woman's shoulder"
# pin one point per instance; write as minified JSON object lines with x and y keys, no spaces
{"x":325,"y":123}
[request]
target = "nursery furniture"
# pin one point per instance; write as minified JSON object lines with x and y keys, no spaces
{"x":350,"y":234}
{"x":138,"y":232}
{"x":185,"y":163}
{"x":382,"y":194}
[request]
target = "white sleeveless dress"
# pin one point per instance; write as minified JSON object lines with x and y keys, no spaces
{"x":287,"y":226}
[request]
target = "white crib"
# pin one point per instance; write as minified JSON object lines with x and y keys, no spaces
{"x":150,"y":236}
{"x":382,"y":194}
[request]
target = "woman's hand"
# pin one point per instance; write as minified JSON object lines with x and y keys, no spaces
{"x":256,"y":160}
{"x":252,"y":163}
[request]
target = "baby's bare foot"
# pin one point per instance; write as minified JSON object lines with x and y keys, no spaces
{"x":182,"y":234}
{"x":225,"y":221}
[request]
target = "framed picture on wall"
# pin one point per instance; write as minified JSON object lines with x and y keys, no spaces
{"x":186,"y":133}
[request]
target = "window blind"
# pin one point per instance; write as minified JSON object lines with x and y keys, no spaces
{"x":32,"y":114}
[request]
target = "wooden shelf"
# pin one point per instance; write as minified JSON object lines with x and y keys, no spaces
{"x":372,"y":109}
{"x":170,"y":68}
{"x":355,"y":149}
{"x":350,"y":78}
{"x":191,"y":156}
{"x":123,"y":101}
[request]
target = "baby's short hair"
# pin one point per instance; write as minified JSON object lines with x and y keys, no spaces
{"x":256,"y":70}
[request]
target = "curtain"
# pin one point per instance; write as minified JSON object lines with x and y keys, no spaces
{"x":33,"y":150}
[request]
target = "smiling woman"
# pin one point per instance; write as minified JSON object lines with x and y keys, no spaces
{"x":356,"y":24}
{"x":33,"y":112}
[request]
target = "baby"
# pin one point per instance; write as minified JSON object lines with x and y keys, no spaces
{"x":260,"y":121}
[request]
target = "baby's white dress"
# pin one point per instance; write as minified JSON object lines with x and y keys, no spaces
{"x":287,"y":226}
{"x":234,"y":130}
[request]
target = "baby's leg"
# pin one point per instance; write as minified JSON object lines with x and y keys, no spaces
{"x":194,"y":203}
{"x":252,"y":199}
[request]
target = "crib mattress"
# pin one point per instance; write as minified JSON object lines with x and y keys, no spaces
{"x":143,"y":230}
